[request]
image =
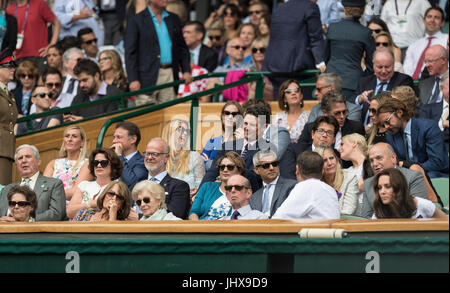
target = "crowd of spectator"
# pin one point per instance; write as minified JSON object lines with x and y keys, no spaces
{"x":370,"y":147}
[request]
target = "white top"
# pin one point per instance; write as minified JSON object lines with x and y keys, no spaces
{"x":311,"y":199}
{"x":445,"y":108}
{"x":405,"y":28}
{"x":425,"y":209}
{"x":246,"y":213}
{"x":415,"y":51}
{"x":90,"y":190}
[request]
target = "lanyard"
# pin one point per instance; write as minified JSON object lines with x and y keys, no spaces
{"x":26,"y":15}
{"x":406,"y":10}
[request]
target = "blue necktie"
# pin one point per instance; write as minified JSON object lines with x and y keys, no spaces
{"x":71,"y":85}
{"x":265,"y":199}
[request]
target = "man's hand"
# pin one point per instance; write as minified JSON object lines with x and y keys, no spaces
{"x":364,"y":97}
{"x":70,"y":118}
{"x":118,"y":148}
{"x":135,"y":86}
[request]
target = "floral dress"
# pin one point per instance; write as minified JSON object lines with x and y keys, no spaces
{"x":64,"y":171}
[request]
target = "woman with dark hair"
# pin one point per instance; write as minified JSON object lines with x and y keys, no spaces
{"x":375,"y":130}
{"x":113,"y":204}
{"x":231,"y":118}
{"x":211,"y":202}
{"x":290,"y":100}
{"x":393,"y":200}
{"x":264,"y":27}
{"x":105,"y":166}
{"x":378,"y":26}
{"x":22,"y":202}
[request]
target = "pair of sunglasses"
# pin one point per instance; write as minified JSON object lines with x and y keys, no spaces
{"x":261,"y":50}
{"x":111,"y":193}
{"x":42,"y":95}
{"x":267,"y":165}
{"x":384,"y":44}
{"x":91,"y":41}
{"x":237,"y":187}
{"x":145,"y":200}
{"x":102,"y":163}
{"x":19,"y":203}
{"x":229,"y":167}
{"x":228,"y":113}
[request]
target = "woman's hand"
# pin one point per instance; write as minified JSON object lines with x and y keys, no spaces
{"x":112,"y":207}
{"x":7,"y":219}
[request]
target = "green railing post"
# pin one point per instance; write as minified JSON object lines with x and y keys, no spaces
{"x":259,"y":91}
{"x":216,"y":96}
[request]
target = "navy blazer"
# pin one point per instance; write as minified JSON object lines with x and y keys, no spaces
{"x":133,"y":170}
{"x":434,"y":112}
{"x":296,"y":39}
{"x":426,"y":90}
{"x":178,"y":198}
{"x":207,"y":58}
{"x":142,"y":52}
{"x":427,"y":146}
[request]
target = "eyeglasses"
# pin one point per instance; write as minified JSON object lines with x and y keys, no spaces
{"x":228,"y":113}
{"x":21,"y":204}
{"x":373,"y":111}
{"x":267,"y":165}
{"x":102,"y":163}
{"x":384,"y":44}
{"x":181,"y":130}
{"x":237,"y":187}
{"x":261,"y":50}
{"x":377,"y":31}
{"x":339,"y":113}
{"x":51,"y":85}
{"x":217,"y":38}
{"x":239,"y":47}
{"x":111,"y":193}
{"x":319,"y":89}
{"x":145,"y":200}
{"x":91,"y":41}
{"x":10,"y":64}
{"x":322,"y":131}
{"x":229,"y":167}
{"x":24,"y":75}
{"x":42,"y":95}
{"x":387,"y":122}
{"x":432,"y":60}
{"x":154,"y":155}
{"x":104,"y":59}
{"x":255,"y":12}
{"x":290,"y":91}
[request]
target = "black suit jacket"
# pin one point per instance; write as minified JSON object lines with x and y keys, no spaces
{"x":207,"y":58}
{"x":10,"y":38}
{"x":370,"y":82}
{"x":142,"y":51}
{"x":18,"y":96}
{"x":177,"y":196}
{"x":99,"y":108}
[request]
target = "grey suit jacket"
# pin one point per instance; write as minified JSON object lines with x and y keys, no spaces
{"x":354,"y":112}
{"x":50,"y":196}
{"x":281,"y":192}
{"x":426,"y":90}
{"x":417,"y":187}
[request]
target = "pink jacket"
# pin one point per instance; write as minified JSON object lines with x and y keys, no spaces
{"x":239,"y":93}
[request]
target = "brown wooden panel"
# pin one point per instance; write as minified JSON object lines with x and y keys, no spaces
{"x":392,"y":225}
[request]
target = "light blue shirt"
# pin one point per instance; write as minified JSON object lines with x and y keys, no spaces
{"x":329,"y":11}
{"x":101,"y":91}
{"x":165,"y":43}
{"x":130,"y":156}
{"x":408,"y":138}
{"x":158,"y":177}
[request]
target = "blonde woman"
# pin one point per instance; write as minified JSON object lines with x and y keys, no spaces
{"x":72,"y":165}
{"x":151,"y":200}
{"x":112,"y":70}
{"x":345,"y":183}
{"x":183,"y":164}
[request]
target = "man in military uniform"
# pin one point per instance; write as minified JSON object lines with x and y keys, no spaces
{"x":8,"y":116}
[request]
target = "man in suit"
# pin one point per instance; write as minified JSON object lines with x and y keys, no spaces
{"x":238,"y":192}
{"x":325,"y":83}
{"x":414,"y":140}
{"x":383,"y":79}
{"x":382,"y":156}
{"x":256,"y":121}
{"x":323,"y":133}
{"x":296,"y":40}
{"x":276,"y":188}
{"x":125,"y":142}
{"x":155,"y":51}
{"x":92,"y":88}
{"x":201,"y":55}
{"x":177,"y":191}
{"x":439,"y":112}
{"x":49,"y":191}
{"x":436,"y":62}
{"x":8,"y":116}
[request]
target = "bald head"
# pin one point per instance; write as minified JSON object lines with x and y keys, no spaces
{"x":382,"y":156}
{"x":383,"y":64}
{"x":235,"y":50}
{"x":436,"y":60}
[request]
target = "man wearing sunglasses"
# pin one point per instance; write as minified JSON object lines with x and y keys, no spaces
{"x":49,"y":191}
{"x":41,"y":99}
{"x":414,"y":140}
{"x":238,"y":191}
{"x":383,"y":79}
{"x":311,"y":198}
{"x":52,"y":79}
{"x":275,"y":188}
{"x":201,"y":55}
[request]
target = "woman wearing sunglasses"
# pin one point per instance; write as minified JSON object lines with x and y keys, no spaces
{"x":150,"y":197}
{"x":258,"y":50}
{"x":27,"y":74}
{"x":104,"y":166}
{"x":183,"y":163}
{"x":375,"y":131}
{"x":22,"y":202}
{"x":211,"y":202}
{"x":345,"y":183}
{"x":113,"y":204}
{"x":384,"y":39}
{"x":290,"y":100}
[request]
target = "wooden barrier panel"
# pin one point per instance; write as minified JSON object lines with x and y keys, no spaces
{"x":151,"y":125}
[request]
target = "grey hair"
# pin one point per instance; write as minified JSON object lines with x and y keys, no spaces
{"x":156,"y":190}
{"x":444,"y":77}
{"x":68,"y":54}
{"x":332,"y":79}
{"x":383,"y":50}
{"x":167,"y":148}
{"x":32,"y":147}
{"x":263,"y":154}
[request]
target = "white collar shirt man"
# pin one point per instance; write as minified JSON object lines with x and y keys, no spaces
{"x":158,"y":178}
{"x":246,"y":213}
